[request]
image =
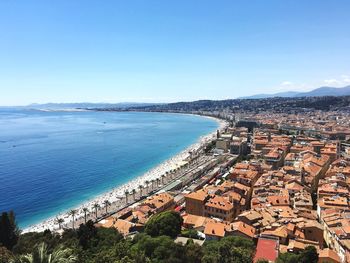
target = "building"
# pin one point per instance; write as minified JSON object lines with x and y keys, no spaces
{"x":195,"y":202}
{"x":160,"y":202}
{"x":241,"y":229}
{"x":214,"y":231}
{"x":267,"y":249}
{"x":219,"y":207}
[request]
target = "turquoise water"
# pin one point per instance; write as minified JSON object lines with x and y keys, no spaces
{"x":53,"y":161}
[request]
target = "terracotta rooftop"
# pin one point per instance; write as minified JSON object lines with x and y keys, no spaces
{"x":215,"y":229}
{"x":159,"y":200}
{"x":195,"y":221}
{"x":266,"y":249}
{"x":200,"y":195}
{"x":325,"y":254}
{"x":241,"y":227}
{"x":219,"y":202}
{"x":277,"y":200}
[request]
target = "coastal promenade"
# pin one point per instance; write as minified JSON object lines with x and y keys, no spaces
{"x":130,"y":198}
{"x":138,"y":189}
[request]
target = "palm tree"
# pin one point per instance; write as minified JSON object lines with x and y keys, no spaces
{"x":41,"y":254}
{"x":73,"y":213}
{"x":170,"y":175}
{"x":126,"y":196}
{"x":140,"y":188}
{"x":163,"y":176}
{"x":152,"y":184}
{"x":85,"y":210}
{"x":178,"y":171}
{"x":96,"y":206}
{"x":147,"y":183}
{"x":133,"y":191}
{"x":107,"y":204}
{"x":158,"y":180}
{"x":59,"y":221}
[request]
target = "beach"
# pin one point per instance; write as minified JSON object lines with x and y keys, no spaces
{"x":117,"y":196}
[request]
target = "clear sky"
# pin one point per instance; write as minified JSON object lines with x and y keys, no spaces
{"x":162,"y":51}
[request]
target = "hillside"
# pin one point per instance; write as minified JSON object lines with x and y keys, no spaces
{"x":319,"y":92}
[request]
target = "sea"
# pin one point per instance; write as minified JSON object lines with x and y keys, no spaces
{"x":51,"y":161}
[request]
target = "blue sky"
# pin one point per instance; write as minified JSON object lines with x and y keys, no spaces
{"x":162,"y":51}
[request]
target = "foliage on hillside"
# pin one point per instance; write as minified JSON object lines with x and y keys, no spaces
{"x":164,"y":224}
{"x":89,"y":244}
{"x":248,"y":105}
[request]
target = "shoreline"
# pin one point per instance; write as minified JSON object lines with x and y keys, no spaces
{"x":117,"y":194}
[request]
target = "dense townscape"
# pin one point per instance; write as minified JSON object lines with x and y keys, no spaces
{"x":175,"y":131}
{"x":276,"y":104}
{"x":272,"y":186}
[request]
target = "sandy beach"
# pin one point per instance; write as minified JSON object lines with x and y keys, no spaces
{"x":116,"y":197}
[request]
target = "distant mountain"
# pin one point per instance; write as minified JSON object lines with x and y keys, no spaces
{"x":326,"y":91}
{"x":88,"y":105}
{"x":285,"y":94}
{"x":323,"y":91}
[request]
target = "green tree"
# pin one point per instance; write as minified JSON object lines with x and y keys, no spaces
{"x":8,"y":230}
{"x":108,"y":237}
{"x":133,"y":192}
{"x":101,"y":245}
{"x":194,"y":252}
{"x":191,"y":233}
{"x":166,"y":223}
{"x":59,"y":221}
{"x":42,"y":255}
{"x":5,"y":255}
{"x":85,"y":210}
{"x":107,"y":204}
{"x":69,"y":238}
{"x":122,"y":250}
{"x":126,"y":259}
{"x":158,"y":249}
{"x":309,"y":255}
{"x":29,"y":241}
{"x":96,"y":206}
{"x":228,"y":249}
{"x":73,"y":212}
{"x":287,"y":258}
{"x":85,"y":233}
{"x":126,"y":192}
{"x":140,"y":189}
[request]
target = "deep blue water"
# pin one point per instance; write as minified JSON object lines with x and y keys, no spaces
{"x":53,"y":161}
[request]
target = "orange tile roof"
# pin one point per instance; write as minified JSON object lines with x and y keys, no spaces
{"x":273,"y":154}
{"x":215,"y":229}
{"x":326,"y":254}
{"x":242,"y":227}
{"x":200,"y":195}
{"x":107,"y":222}
{"x":251,"y":215}
{"x":333,"y":202}
{"x":277,"y":200}
{"x":241,"y":186}
{"x":195,"y":221}
{"x":295,"y":186}
{"x":278,"y":232}
{"x":123,"y":226}
{"x":219,"y":202}
{"x":236,"y":197}
{"x":159,"y":200}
